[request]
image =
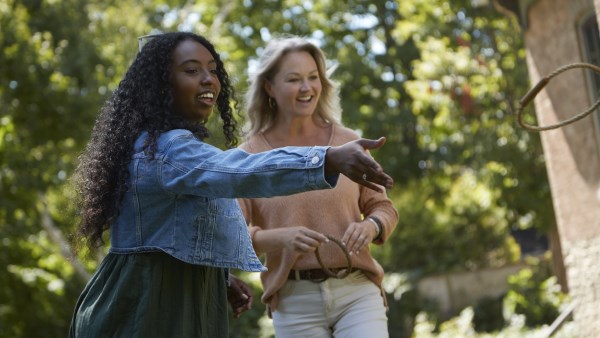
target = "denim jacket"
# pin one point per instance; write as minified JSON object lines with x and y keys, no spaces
{"x":183,"y":201}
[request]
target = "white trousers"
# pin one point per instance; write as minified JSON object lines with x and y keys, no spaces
{"x":342,"y":308}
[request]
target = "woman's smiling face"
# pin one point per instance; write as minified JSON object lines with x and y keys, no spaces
{"x":194,"y":80}
{"x":296,"y":86}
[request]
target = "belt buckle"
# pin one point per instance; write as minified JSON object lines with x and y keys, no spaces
{"x":321,"y":279}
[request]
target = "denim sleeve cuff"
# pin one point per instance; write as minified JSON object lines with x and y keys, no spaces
{"x":317,"y":179}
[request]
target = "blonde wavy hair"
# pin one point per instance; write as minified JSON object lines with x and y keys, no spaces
{"x":260,"y":114}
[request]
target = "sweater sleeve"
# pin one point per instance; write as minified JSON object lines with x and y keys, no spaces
{"x":246,"y":206}
{"x":372,"y":203}
{"x":378,"y":205}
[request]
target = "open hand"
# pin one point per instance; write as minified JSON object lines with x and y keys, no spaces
{"x":353,"y":160}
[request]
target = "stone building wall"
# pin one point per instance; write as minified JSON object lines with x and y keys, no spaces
{"x":572,"y":152}
{"x":584,"y":277}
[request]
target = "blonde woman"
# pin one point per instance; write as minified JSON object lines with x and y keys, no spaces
{"x":292,"y":102}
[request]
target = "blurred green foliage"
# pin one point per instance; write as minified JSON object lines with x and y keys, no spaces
{"x":488,"y":315}
{"x":438,"y":78}
{"x":532,"y":303}
{"x":534,"y":293}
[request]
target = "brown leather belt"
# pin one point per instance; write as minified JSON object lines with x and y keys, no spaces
{"x":313,"y":275}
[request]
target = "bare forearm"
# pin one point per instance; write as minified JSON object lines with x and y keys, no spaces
{"x":268,"y":240}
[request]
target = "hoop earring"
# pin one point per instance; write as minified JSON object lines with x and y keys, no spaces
{"x":272,"y":103}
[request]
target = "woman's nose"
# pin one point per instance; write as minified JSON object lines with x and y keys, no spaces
{"x":304,"y":86}
{"x":208,"y":78}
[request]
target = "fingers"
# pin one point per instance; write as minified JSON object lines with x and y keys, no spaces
{"x":305,"y":240}
{"x":352,"y":159}
{"x":239,"y":296}
{"x":357,"y":237}
{"x":368,"y":184}
{"x":369,"y":172}
{"x":373,"y":177}
{"x":241,"y":305}
{"x":307,"y":245}
{"x":246,"y":295}
{"x":368,"y":144}
{"x":373,"y":172}
{"x":237,"y":312}
{"x":246,"y":290}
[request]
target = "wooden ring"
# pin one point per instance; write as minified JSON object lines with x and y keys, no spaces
{"x":342,"y":273}
{"x":525,"y":100}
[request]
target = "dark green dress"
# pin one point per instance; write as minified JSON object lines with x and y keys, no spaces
{"x":152,"y":295}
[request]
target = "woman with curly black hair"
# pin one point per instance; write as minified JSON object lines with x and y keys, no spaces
{"x":168,"y":197}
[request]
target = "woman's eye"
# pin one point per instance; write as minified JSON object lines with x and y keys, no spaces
{"x":214,"y":71}
{"x":191,"y":70}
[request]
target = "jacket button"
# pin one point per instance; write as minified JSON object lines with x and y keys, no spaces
{"x":315,"y":160}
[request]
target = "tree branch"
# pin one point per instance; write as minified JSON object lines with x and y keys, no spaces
{"x":56,"y":235}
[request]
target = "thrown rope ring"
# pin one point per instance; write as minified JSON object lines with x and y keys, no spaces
{"x":342,"y":273}
{"x":541,"y":84}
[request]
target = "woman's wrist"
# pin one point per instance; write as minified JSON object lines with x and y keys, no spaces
{"x":378,"y":227}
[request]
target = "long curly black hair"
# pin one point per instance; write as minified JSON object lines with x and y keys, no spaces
{"x":142,"y":102}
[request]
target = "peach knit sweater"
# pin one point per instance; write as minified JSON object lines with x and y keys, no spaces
{"x":327,"y":211}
